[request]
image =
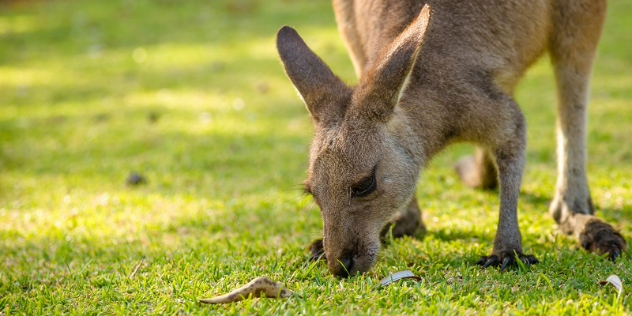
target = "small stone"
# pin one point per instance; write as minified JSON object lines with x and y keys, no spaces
{"x":135,"y":179}
{"x":153,"y":117}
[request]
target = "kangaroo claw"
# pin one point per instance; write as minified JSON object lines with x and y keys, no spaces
{"x":317,"y":251}
{"x":506,"y":259}
{"x":601,"y":238}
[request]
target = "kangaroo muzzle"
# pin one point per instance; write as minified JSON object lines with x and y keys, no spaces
{"x":353,"y":257}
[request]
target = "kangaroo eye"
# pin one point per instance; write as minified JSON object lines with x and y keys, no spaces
{"x":365,"y":186}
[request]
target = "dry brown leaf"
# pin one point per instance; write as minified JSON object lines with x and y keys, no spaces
{"x":259,"y":287}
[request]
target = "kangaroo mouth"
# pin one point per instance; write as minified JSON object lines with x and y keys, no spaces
{"x":351,"y":263}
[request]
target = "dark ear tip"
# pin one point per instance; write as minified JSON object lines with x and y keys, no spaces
{"x":287,"y":38}
{"x":286,"y":31}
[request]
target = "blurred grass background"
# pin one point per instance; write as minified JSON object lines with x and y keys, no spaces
{"x":191,"y":95}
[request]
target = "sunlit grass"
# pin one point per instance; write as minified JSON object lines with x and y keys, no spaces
{"x":192,"y":96}
{"x":17,"y":24}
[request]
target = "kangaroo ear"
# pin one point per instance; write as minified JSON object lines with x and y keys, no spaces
{"x":388,"y":77}
{"x":319,"y":88}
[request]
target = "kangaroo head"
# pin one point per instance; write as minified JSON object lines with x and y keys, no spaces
{"x":363,"y":164}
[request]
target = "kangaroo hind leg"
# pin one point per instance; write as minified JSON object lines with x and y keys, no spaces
{"x":577,"y":28}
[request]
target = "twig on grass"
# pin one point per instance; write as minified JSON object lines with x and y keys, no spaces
{"x":131,"y":276}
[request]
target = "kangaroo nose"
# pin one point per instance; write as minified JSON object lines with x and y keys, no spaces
{"x":342,"y":267}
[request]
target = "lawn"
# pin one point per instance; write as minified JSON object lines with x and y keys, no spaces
{"x":191,"y":95}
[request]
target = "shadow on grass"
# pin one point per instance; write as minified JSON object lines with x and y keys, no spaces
{"x":536,"y":200}
{"x":460,"y":235}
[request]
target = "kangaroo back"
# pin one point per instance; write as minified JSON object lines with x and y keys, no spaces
{"x":501,"y":36}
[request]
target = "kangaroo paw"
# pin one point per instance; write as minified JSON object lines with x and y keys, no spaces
{"x":601,"y":238}
{"x":316,"y":251}
{"x":506,"y":259}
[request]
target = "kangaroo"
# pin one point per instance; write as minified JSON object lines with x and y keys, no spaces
{"x":432,"y":73}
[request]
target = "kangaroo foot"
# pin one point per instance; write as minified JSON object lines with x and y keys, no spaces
{"x":506,"y":259}
{"x":592,"y":233}
{"x":601,"y":238}
{"x":316,"y":251}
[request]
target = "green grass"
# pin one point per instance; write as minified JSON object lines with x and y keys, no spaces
{"x":79,"y":83}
